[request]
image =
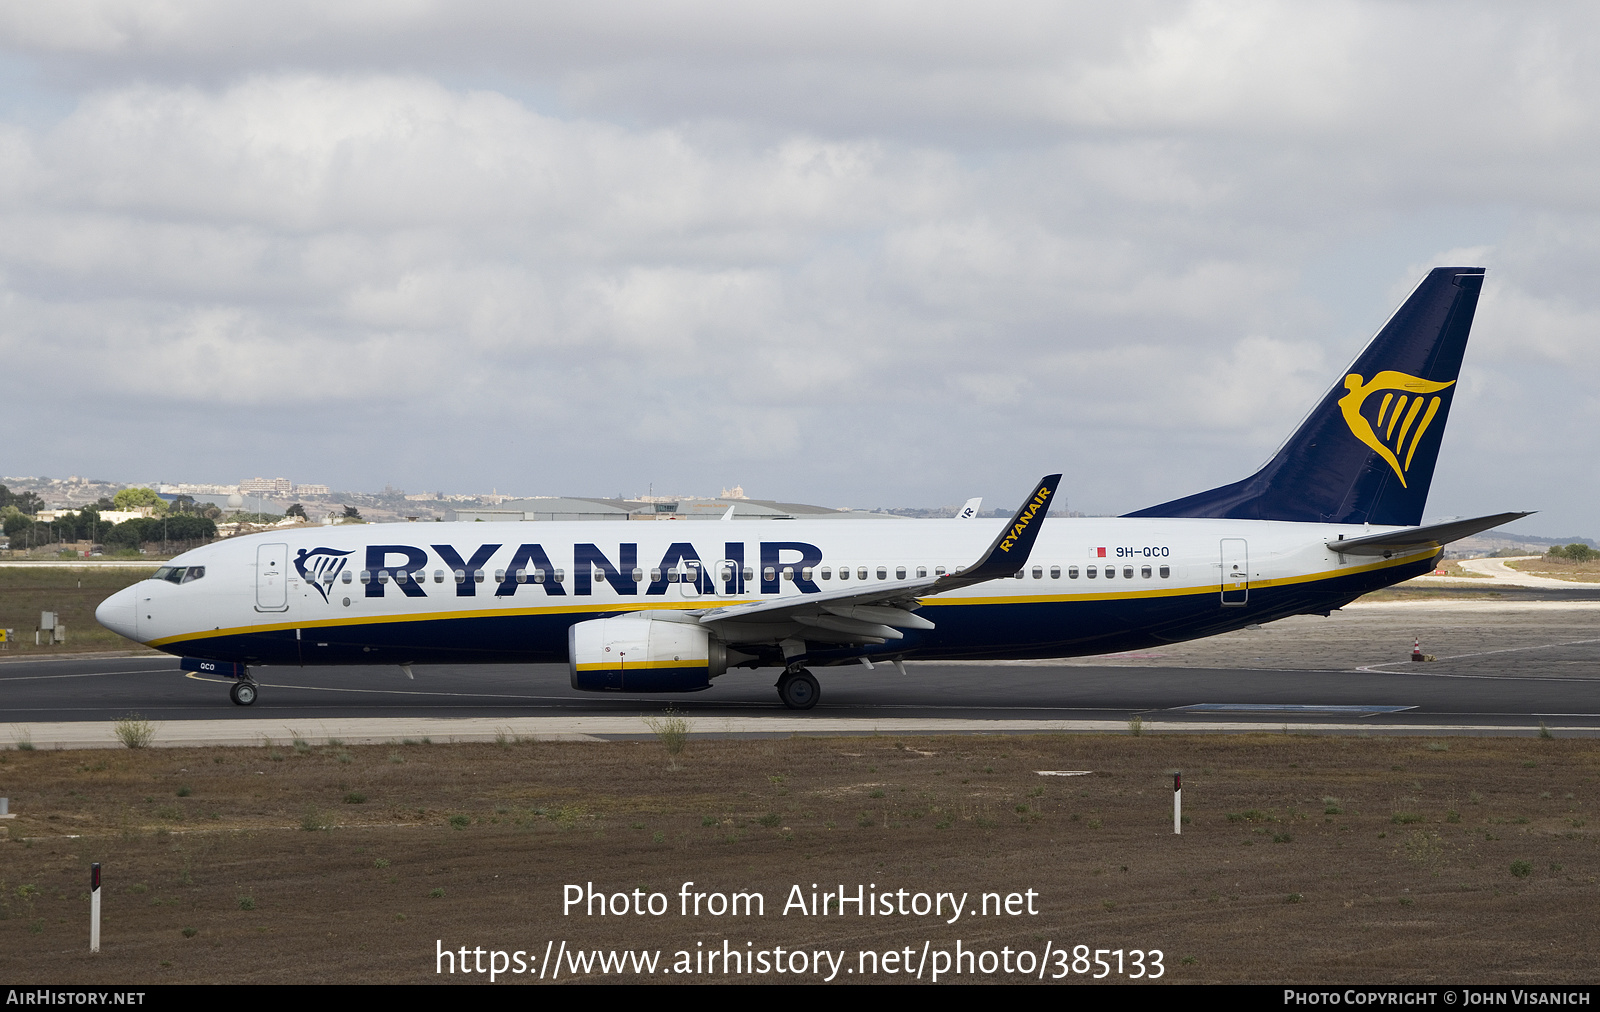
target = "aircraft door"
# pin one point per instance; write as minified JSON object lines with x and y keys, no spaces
{"x":726,"y":579}
{"x":1235,"y":572}
{"x":272,"y":578}
{"x":687,"y":575}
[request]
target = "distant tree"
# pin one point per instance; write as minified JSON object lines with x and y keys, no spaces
{"x":296,"y":510}
{"x":351,"y":513}
{"x":1580,"y":552}
{"x":136,"y":498}
{"x":23,"y":502}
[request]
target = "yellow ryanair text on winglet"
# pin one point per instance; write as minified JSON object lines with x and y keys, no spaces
{"x":1403,"y":395}
{"x":1023,"y":521}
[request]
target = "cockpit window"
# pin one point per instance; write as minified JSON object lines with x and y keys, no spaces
{"x":179,"y":574}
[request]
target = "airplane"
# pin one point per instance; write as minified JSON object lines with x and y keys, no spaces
{"x":666,"y":608}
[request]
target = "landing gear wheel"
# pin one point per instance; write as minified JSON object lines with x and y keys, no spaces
{"x":242,"y":693}
{"x":799,"y":690}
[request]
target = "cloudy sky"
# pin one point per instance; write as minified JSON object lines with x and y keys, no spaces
{"x":851,"y":253}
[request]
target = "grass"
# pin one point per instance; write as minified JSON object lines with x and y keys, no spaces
{"x":355,"y":798}
{"x":670,"y":729}
{"x":247,"y":903}
{"x":1136,"y":725}
{"x":134,"y":731}
{"x":73,"y":594}
{"x":1522,"y":869}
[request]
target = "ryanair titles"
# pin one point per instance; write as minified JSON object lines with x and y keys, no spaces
{"x":407,"y":569}
{"x":1025,"y":518}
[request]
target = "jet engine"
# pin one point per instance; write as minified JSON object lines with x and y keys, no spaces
{"x":635,"y":653}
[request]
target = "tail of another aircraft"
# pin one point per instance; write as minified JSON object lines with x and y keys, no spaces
{"x":1366,"y":454}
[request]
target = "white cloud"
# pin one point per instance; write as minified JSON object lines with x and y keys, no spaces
{"x":855,"y":252}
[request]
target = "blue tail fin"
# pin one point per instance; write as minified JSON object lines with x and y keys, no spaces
{"x":1366,"y":454}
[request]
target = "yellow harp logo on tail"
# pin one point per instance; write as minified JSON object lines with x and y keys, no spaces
{"x":1403,"y":414}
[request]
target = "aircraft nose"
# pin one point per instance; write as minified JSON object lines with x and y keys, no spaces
{"x":117,"y":613}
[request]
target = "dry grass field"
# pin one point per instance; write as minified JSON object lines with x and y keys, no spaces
{"x":1559,"y":569}
{"x":1305,"y":859}
{"x":74,"y":594}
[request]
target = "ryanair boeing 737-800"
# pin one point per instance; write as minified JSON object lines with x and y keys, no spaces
{"x":667,"y":607}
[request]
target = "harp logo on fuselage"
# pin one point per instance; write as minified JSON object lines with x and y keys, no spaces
{"x":1403,"y":414}
{"x":320,"y":567}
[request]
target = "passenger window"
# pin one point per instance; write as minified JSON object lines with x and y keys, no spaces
{"x":638,"y":575}
{"x":655,"y":576}
{"x":900,"y":573}
{"x":844,"y":572}
{"x":861,"y":572}
{"x":461,"y":576}
{"x":883,"y":574}
{"x":499,"y":576}
{"x":438,"y":576}
{"x":1038,"y":572}
{"x":521,"y":576}
{"x":538,"y":576}
{"x":1055,"y":572}
{"x":1127,"y":572}
{"x":1019,"y":574}
{"x":346,"y":577}
{"x":749,"y":574}
{"x":1090,"y":572}
{"x":769,"y":574}
{"x":561,"y":576}
{"x":938,"y":570}
{"x":366,"y":576}
{"x":477,"y":576}
{"x":922,"y":572}
{"x":788,"y":572}
{"x":827,"y":572}
{"x":1111,"y":572}
{"x":383,"y":576}
{"x":399,"y":576}
{"x":1144,"y":571}
{"x":1072,"y":572}
{"x":805,"y":573}
{"x":1165,"y":572}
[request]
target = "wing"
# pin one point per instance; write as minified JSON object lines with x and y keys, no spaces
{"x":877,"y":614}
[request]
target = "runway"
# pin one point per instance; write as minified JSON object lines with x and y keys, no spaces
{"x":1504,"y":665}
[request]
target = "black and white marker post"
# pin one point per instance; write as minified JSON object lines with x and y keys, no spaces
{"x":1177,"y":805}
{"x":94,"y":907}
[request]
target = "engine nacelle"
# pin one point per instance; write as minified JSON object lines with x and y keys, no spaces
{"x":634,"y":653}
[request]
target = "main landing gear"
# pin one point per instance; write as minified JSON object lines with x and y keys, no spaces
{"x":243,"y":692}
{"x":798,"y":689}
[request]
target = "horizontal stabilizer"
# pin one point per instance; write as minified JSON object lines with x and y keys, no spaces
{"x":1417,"y":538}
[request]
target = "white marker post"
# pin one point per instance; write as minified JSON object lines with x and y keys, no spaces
{"x":94,"y":907}
{"x":1177,"y":803}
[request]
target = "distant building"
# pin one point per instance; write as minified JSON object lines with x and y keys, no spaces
{"x":312,"y":490}
{"x":266,"y":486}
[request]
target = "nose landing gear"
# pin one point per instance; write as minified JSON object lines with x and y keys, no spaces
{"x":798,"y":689}
{"x":243,"y":692}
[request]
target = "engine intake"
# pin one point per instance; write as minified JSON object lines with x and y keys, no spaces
{"x":634,"y":653}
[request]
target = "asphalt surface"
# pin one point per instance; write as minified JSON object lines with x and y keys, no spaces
{"x":1512,"y":689}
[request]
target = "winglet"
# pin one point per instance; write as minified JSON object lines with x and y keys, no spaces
{"x":1011,"y":547}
